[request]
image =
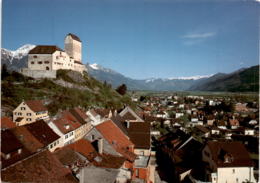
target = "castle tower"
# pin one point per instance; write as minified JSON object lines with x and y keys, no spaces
{"x":73,"y":46}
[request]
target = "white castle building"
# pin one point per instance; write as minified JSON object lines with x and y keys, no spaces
{"x":45,"y":60}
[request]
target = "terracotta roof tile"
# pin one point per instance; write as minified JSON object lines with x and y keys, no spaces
{"x":27,"y":139}
{"x":84,"y":147}
{"x":44,"y":49}
{"x":41,"y":167}
{"x":67,"y":122}
{"x":116,"y":138}
{"x":42,"y":132}
{"x":240,"y":156}
{"x":7,"y":123}
{"x":36,"y":105}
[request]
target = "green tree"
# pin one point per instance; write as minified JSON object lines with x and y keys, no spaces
{"x":122,"y":89}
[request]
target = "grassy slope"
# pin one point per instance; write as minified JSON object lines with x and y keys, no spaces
{"x":16,"y":88}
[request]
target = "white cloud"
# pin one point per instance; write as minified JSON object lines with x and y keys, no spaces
{"x":199,"y":35}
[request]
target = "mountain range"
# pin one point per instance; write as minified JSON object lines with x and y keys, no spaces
{"x":242,"y":80}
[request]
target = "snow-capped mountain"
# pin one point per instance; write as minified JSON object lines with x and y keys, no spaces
{"x":16,"y":59}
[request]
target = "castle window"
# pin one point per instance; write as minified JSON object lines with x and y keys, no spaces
{"x":32,"y":62}
{"x":34,"y":56}
{"x":40,"y":62}
{"x":46,"y":62}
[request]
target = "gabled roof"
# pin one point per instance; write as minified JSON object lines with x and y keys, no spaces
{"x":27,"y":139}
{"x":116,"y":138}
{"x":240,"y":156}
{"x":128,"y":114}
{"x":42,"y":167}
{"x":7,"y":123}
{"x":139,"y":134}
{"x":118,"y":120}
{"x":44,"y":49}
{"x":80,"y":115}
{"x":84,"y":147}
{"x":36,"y":105}
{"x":67,"y":122}
{"x":74,"y":37}
{"x":42,"y":132}
{"x":9,"y":142}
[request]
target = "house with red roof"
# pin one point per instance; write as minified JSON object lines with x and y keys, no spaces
{"x":71,"y":125}
{"x":29,"y":111}
{"x":107,"y":138}
{"x":40,"y":167}
{"x":227,"y":162}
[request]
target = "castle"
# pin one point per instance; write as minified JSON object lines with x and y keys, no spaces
{"x":45,"y":60}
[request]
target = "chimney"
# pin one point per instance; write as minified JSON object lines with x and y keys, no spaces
{"x":127,"y":124}
{"x":110,"y":114}
{"x":100,"y":146}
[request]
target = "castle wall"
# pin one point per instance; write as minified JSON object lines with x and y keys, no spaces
{"x":39,"y":73}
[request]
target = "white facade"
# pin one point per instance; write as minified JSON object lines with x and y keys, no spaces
{"x":52,"y":58}
{"x":235,"y":175}
{"x":73,"y":47}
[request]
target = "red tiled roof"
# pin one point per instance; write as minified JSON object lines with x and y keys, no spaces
{"x":80,"y":115}
{"x":236,"y":149}
{"x":27,"y":139}
{"x":44,"y":49}
{"x":84,"y":147}
{"x":116,"y":138}
{"x":42,"y":132}
{"x":67,"y":119}
{"x":7,"y":123}
{"x":42,"y":167}
{"x":36,"y":105}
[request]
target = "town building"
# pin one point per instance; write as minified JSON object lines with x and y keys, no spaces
{"x":29,"y":111}
{"x":227,"y":162}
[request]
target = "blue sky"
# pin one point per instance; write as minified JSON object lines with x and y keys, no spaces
{"x":142,"y":38}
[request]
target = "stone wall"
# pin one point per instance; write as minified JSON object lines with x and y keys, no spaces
{"x":38,"y":73}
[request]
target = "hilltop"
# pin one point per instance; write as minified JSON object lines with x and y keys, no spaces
{"x":68,"y":90}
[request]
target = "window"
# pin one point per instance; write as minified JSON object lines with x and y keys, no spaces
{"x":46,"y":62}
{"x":92,"y":137}
{"x":40,"y":62}
{"x":28,"y":114}
{"x":66,"y":136}
{"x":34,"y":56}
{"x":51,"y":146}
{"x":137,"y":172}
{"x":19,"y":151}
{"x":28,"y":119}
{"x":15,"y":113}
{"x":233,"y":170}
{"x":19,"y":113}
{"x":22,"y":108}
{"x":32,"y":62}
{"x":47,"y":68}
